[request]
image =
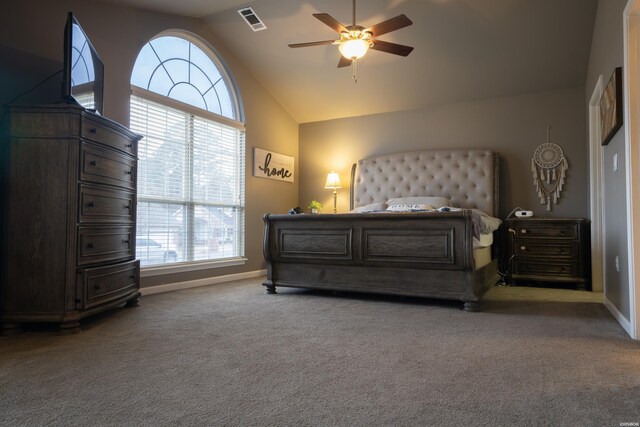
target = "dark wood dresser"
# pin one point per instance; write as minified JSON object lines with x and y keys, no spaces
{"x":550,"y":250}
{"x":69,"y":216}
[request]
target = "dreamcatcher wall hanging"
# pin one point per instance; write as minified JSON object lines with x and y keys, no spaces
{"x":549,"y":168}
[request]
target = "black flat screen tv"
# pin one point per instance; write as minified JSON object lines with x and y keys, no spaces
{"x":83,"y":70}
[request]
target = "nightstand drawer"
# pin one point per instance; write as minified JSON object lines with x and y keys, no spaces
{"x":542,"y":231}
{"x":106,"y":205}
{"x":105,"y":166}
{"x":101,"y":244}
{"x":548,"y":248}
{"x":103,"y":284}
{"x":99,"y":133}
{"x":546,"y":268}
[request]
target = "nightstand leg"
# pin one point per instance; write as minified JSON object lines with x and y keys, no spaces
{"x":69,"y":327}
{"x":133,"y":302}
{"x":471,"y":306}
{"x":11,"y":329}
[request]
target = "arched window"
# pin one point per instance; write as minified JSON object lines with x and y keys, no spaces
{"x":191,"y":160}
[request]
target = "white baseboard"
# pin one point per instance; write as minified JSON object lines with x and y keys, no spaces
{"x":201,"y":282}
{"x":624,"y":322}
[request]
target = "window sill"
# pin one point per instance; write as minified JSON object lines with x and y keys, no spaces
{"x":190,"y":266}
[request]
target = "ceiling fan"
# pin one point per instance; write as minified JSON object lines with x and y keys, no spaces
{"x":356,"y":40}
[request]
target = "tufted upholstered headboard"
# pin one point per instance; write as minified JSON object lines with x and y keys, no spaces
{"x":469,"y":178}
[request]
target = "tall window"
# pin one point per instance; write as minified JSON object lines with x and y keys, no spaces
{"x":191,"y":159}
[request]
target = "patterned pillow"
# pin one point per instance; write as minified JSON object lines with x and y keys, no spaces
{"x":409,"y":208}
{"x":435,"y":202}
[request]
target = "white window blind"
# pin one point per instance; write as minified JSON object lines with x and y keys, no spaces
{"x":190,"y":185}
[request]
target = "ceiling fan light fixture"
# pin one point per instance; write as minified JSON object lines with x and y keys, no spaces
{"x":355,"y":40}
{"x":354,"y":49}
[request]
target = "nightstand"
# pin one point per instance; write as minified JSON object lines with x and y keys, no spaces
{"x":549,"y":250}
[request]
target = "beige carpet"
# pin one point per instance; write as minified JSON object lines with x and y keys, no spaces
{"x":230,"y":355}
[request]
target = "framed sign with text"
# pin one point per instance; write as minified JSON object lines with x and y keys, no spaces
{"x":267,"y":164}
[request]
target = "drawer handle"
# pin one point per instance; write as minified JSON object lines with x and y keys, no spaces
{"x":127,"y":207}
{"x":129,"y":172}
{"x":523,"y":231}
{"x":125,"y":242}
{"x":93,"y":130}
{"x":93,"y":163}
{"x":128,"y":145}
{"x":90,"y":245}
{"x":523,"y":248}
{"x":90,"y":204}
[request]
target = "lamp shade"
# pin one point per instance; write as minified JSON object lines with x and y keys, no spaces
{"x":333,"y":181}
{"x":354,"y":49}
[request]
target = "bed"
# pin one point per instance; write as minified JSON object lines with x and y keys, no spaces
{"x":423,"y":251}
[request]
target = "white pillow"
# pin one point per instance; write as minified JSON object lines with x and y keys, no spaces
{"x":373,"y":207}
{"x":435,"y":202}
{"x":409,"y":208}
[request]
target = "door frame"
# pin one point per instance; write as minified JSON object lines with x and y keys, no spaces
{"x":595,"y":190}
{"x":631,"y":78}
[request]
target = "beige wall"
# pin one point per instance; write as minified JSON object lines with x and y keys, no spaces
{"x":606,"y":55}
{"x":31,"y":34}
{"x":513,"y":127}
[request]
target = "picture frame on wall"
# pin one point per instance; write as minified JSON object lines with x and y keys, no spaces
{"x":272,"y":165}
{"x":611,"y":107}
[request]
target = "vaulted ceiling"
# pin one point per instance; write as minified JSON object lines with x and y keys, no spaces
{"x":465,"y":50}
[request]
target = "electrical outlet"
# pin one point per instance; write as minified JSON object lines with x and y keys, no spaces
{"x":615,"y":162}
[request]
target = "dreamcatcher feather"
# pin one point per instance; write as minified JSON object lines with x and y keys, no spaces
{"x":549,"y":168}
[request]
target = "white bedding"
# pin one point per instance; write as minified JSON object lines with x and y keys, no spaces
{"x":484,"y":241}
{"x":481,"y":257}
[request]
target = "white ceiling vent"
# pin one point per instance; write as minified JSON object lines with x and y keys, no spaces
{"x":252,"y":19}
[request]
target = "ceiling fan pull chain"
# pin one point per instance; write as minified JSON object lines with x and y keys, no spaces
{"x":354,"y":71}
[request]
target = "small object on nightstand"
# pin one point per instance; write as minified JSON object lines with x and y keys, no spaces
{"x":295,"y":211}
{"x":523,"y":214}
{"x":550,"y":250}
{"x":315,"y":206}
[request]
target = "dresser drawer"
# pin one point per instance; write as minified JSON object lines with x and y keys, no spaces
{"x":556,"y":248}
{"x":536,"y":267}
{"x":103,"y":284}
{"x":105,"y":166}
{"x":98,"y":132}
{"x":542,"y":231}
{"x":105,"y":205}
{"x":101,"y":244}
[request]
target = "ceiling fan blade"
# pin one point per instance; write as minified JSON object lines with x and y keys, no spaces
{"x":389,"y":25}
{"x":396,"y":49}
{"x":312,"y":43}
{"x":344,"y":62}
{"x":331,"y":22}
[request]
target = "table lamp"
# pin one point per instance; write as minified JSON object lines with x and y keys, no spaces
{"x":333,"y":182}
